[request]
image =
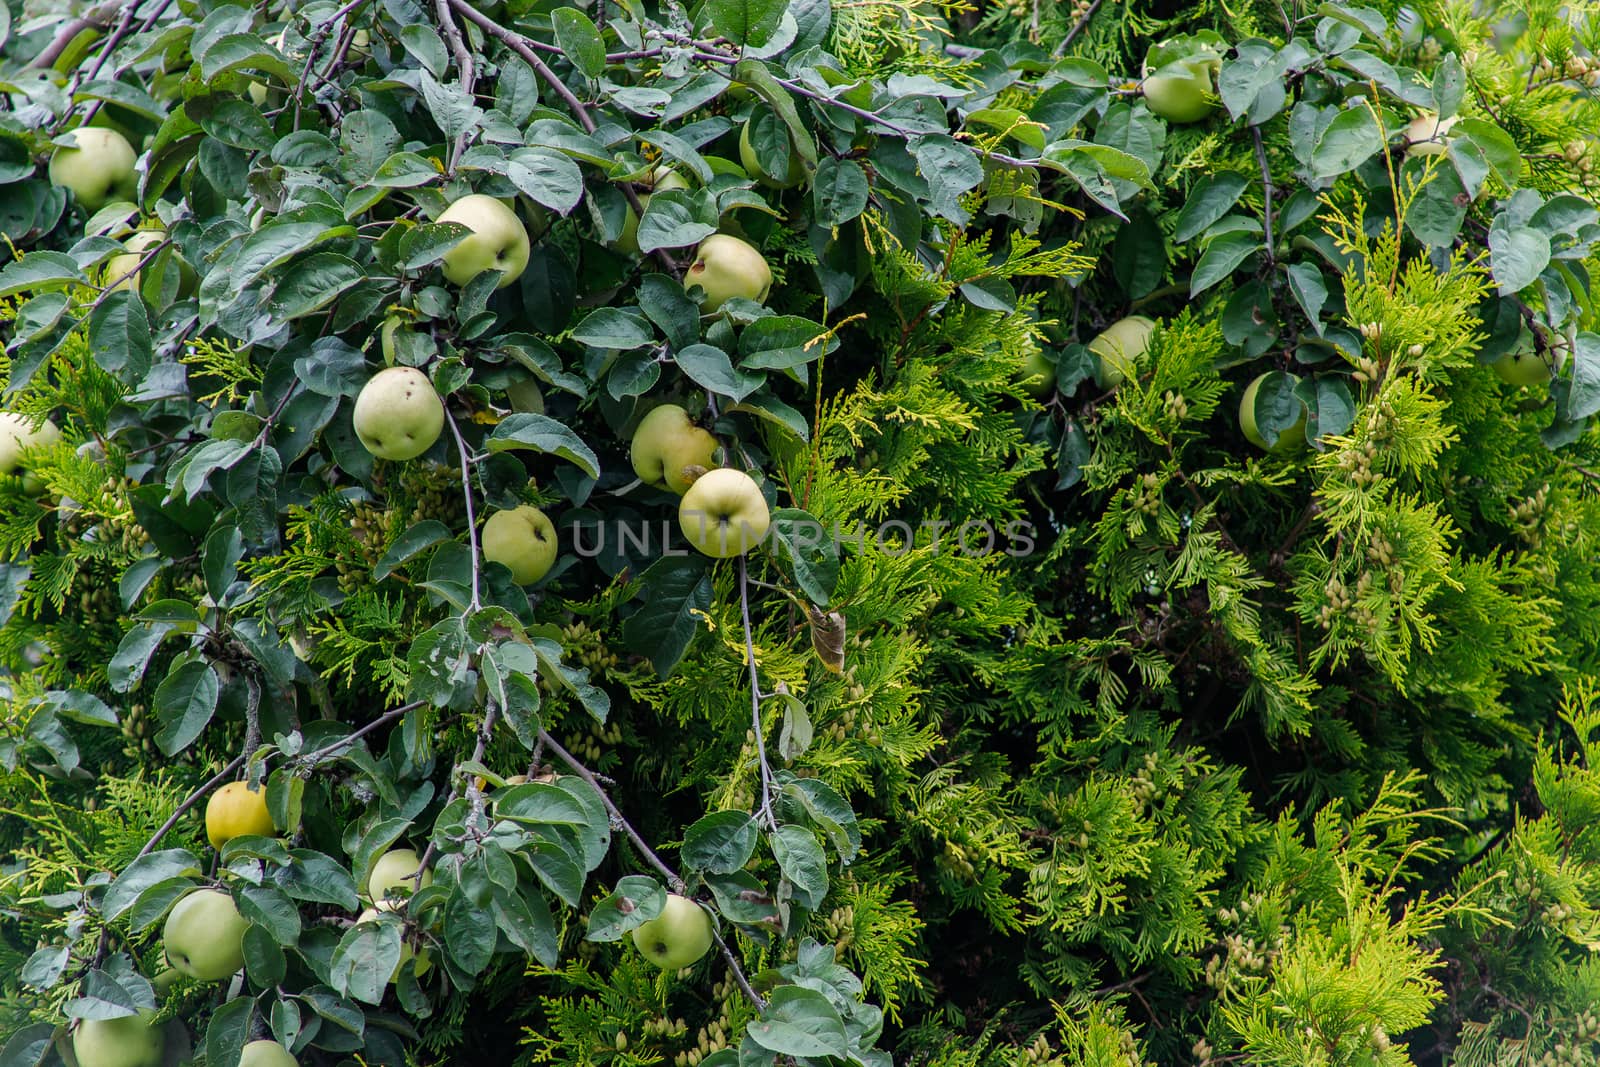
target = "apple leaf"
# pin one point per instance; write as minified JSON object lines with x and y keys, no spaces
{"x":721,"y":842}
{"x":543,"y":434}
{"x":747,"y":22}
{"x":800,"y":857}
{"x":143,"y":873}
{"x":366,"y":956}
{"x":636,"y":900}
{"x":800,"y":1022}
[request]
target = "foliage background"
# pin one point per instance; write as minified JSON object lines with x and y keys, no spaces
{"x":1263,"y":758}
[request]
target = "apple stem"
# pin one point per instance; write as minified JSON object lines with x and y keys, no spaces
{"x":765,"y":813}
{"x":675,"y":883}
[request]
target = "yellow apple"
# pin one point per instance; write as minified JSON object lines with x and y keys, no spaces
{"x":424,"y":958}
{"x":725,"y":267}
{"x":393,"y":878}
{"x":524,"y":539}
{"x":665,"y":443}
{"x":498,"y":241}
{"x":1119,"y":347}
{"x":98,"y":168}
{"x":128,"y":1041}
{"x":236,"y":810}
{"x":661,"y":180}
{"x":723,"y":514}
{"x":266,"y":1054}
{"x":677,"y":937}
{"x":398,"y":415}
{"x":204,"y":935}
{"x":752,"y":165}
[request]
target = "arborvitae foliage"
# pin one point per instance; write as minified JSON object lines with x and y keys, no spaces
{"x":1223,"y":695}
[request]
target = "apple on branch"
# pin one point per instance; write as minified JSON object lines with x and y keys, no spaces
{"x":725,"y":267}
{"x":18,"y":433}
{"x":266,"y":1054}
{"x":677,"y":937}
{"x":666,"y":443}
{"x":524,"y":539}
{"x":394,"y":877}
{"x":98,"y":168}
{"x":398,"y":414}
{"x":723,"y":514}
{"x":126,"y":1041}
{"x":1119,"y":348}
{"x":204,"y":935}
{"x":499,"y":241}
{"x":236,"y":810}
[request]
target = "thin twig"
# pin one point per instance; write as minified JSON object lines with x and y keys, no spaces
{"x":472,"y":522}
{"x":765,"y":812}
{"x":458,"y":47}
{"x":676,"y":883}
{"x":1077,"y":28}
{"x":1266,"y":195}
{"x":351,"y":738}
{"x":252,"y":718}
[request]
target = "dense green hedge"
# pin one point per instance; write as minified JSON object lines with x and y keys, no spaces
{"x":1176,"y":633}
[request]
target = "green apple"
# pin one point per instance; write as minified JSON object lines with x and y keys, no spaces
{"x":393,"y":878}
{"x":1522,"y":366}
{"x":1184,"y":90}
{"x":752,"y":165}
{"x":725,"y":267}
{"x":204,"y":935}
{"x":398,"y":415}
{"x":1119,"y":347}
{"x":660,"y":180}
{"x":1038,"y":374}
{"x":524,"y":539}
{"x":17,"y":433}
{"x":1428,"y":135}
{"x":677,"y":937}
{"x":424,"y":958}
{"x":266,"y":1054}
{"x":98,"y":168}
{"x":128,"y":1041}
{"x":666,"y":442}
{"x":1290,"y":439}
{"x":498,"y":241}
{"x":526,"y":396}
{"x":122,"y":269}
{"x":723,"y":514}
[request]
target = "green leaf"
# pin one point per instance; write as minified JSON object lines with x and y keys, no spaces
{"x":749,"y":23}
{"x":308,"y":285}
{"x":132,"y":657}
{"x":238,"y":125}
{"x":635,"y":901}
{"x":839,"y":191}
{"x":143,"y":873}
{"x":366,"y":956}
{"x":541,"y":433}
{"x":469,"y":933}
{"x":579,"y":40}
{"x":420,"y":537}
{"x":677,"y":218}
{"x":186,"y":700}
{"x":404,"y":170}
{"x":799,"y":1022}
{"x":547,"y":176}
{"x":611,"y":327}
{"x":800,"y":858}
{"x":1221,"y":257}
{"x":710,"y":367}
{"x":1517,"y":256}
{"x":812,"y":554}
{"x":119,"y":335}
{"x":721,"y":842}
{"x":679,"y":596}
{"x":1211,"y":198}
{"x":1350,"y":140}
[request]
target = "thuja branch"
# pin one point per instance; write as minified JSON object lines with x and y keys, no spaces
{"x":649,"y":855}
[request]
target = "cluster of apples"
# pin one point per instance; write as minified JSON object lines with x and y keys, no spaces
{"x":722,"y":511}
